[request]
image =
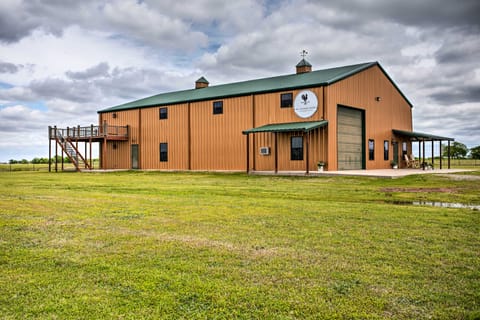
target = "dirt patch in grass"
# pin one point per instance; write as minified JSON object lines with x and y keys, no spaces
{"x":415,"y":190}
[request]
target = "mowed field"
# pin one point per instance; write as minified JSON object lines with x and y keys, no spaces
{"x":151,"y":245}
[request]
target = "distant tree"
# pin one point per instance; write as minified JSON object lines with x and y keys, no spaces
{"x":457,"y":150}
{"x":475,"y":152}
{"x":24,"y":161}
{"x":12,"y":161}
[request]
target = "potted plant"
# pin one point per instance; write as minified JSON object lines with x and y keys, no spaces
{"x":321,"y":165}
{"x":394,"y":164}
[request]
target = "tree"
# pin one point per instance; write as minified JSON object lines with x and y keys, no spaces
{"x":475,"y":152}
{"x":457,"y":150}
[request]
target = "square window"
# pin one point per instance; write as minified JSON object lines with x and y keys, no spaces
{"x":296,"y":148}
{"x":218,"y":107}
{"x":163,"y":113}
{"x":286,"y":100}
{"x":371,"y":149}
{"x":163,"y":152}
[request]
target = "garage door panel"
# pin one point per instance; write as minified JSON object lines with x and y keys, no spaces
{"x":349,"y":139}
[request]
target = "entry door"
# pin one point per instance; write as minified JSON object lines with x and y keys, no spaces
{"x":350,"y":139}
{"x":134,"y":156}
{"x":395,"y":152}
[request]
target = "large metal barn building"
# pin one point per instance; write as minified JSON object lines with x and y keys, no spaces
{"x":350,"y":117}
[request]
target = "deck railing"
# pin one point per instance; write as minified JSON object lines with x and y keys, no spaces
{"x":92,"y":131}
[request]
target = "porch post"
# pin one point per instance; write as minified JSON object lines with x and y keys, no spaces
{"x":441,"y":154}
{"x":56,"y":150}
{"x":49,"y":149}
{"x":423,"y":149}
{"x":419,"y":151}
{"x":433,"y":155}
{"x":307,"y":153}
{"x":448,"y":154}
{"x":248,"y":153}
{"x":276,"y":152}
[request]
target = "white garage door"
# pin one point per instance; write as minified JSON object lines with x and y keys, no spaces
{"x":350,"y":139}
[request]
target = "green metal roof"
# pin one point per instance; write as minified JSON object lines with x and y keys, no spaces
{"x":288,"y":127}
{"x":287,"y":82}
{"x":420,"y":136}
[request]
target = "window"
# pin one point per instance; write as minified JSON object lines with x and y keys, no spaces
{"x":114,"y":115}
{"x":217,"y":107}
{"x":163,"y":152}
{"x":404,"y":149}
{"x":286,"y":100}
{"x":163,"y":113}
{"x":371,"y":149}
{"x":296,"y":150}
{"x":386,"y":145}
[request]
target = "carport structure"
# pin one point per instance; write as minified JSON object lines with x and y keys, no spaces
{"x":421,"y":138}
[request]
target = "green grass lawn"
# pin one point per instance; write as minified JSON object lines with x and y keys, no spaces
{"x":150,"y":245}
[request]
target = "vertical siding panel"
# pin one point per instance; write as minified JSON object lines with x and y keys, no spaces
{"x":118,"y":152}
{"x":173,"y":130}
{"x":217,"y":140}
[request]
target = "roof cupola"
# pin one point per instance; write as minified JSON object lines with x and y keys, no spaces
{"x":201,"y":83}
{"x":303,"y":66}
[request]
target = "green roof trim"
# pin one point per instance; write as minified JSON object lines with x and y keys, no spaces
{"x":420,"y":136}
{"x":274,"y":84}
{"x":288,"y":127}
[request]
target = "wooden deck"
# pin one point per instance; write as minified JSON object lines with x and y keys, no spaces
{"x":91,"y":133}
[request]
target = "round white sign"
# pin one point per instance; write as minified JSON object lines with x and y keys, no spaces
{"x":305,"y":104}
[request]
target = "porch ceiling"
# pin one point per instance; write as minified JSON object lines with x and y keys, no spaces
{"x":420,"y":136}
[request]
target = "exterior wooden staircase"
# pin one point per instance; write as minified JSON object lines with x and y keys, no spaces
{"x":72,"y":152}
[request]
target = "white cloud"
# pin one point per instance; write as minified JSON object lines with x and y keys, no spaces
{"x":136,"y":19}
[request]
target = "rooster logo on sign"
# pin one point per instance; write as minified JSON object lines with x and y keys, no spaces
{"x":305,"y":98}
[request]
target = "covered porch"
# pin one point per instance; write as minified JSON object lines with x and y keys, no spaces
{"x":422,"y":138}
{"x":303,"y":129}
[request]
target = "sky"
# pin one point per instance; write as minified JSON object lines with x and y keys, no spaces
{"x":63,"y":60}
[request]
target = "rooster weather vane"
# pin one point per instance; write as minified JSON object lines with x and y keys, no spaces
{"x":303,"y":53}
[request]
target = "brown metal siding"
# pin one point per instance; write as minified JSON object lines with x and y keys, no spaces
{"x":173,"y":130}
{"x":118,"y":152}
{"x":217,"y":142}
{"x":267,"y":111}
{"x":359,"y":91}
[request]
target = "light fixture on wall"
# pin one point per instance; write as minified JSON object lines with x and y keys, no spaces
{"x":378,"y":98}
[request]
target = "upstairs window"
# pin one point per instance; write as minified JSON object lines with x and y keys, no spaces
{"x":163,"y":152}
{"x":296,"y":148}
{"x":163,"y":113}
{"x":286,"y":100}
{"x":218,"y":107}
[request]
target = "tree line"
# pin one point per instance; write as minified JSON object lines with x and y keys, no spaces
{"x":39,"y":160}
{"x":460,"y":151}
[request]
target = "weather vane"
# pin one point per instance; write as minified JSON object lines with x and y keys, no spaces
{"x":304,"y":53}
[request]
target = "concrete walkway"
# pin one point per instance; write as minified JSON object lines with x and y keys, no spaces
{"x":379,"y":173}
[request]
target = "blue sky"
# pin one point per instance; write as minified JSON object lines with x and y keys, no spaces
{"x":60,"y":62}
